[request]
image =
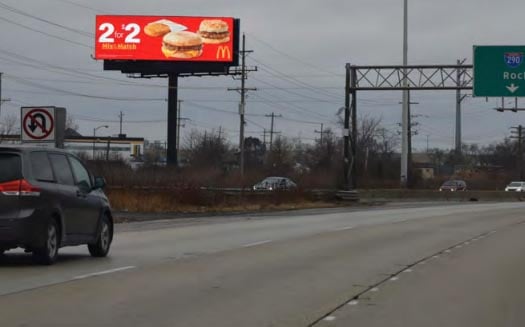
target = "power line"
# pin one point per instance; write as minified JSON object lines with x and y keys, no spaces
{"x":292,"y":80}
{"x":45,"y":33}
{"x":32,"y":62}
{"x":293,"y":58}
{"x":67,"y":28}
{"x":24,"y":81}
{"x":80,"y":5}
{"x":291,"y":105}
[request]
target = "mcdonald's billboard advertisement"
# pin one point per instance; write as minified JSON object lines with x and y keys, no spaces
{"x":165,"y":38}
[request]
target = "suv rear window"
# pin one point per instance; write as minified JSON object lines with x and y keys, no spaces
{"x":10,"y":167}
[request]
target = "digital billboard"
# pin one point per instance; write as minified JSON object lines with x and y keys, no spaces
{"x":165,"y":38}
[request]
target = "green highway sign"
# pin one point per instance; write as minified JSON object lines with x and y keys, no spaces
{"x":499,"y":71}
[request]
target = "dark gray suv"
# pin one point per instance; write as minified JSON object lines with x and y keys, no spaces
{"x":48,"y":199}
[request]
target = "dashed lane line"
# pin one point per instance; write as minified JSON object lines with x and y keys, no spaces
{"x":105,"y":272}
{"x":257,"y":243}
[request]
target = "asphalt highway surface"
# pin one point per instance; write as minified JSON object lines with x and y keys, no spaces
{"x":422,"y":265}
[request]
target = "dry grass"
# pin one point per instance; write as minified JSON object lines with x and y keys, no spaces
{"x":192,"y":200}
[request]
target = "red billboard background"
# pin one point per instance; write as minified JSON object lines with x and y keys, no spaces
{"x":124,"y":38}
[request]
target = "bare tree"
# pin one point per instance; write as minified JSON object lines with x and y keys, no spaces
{"x":387,"y":141}
{"x":71,"y":124}
{"x":207,"y":149}
{"x":280,"y":159}
{"x":7,"y":126}
{"x":326,"y":154}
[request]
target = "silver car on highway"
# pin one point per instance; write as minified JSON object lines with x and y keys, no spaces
{"x":515,"y":187}
{"x":275,"y":183}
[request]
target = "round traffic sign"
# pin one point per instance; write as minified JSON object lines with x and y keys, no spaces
{"x":38,"y":124}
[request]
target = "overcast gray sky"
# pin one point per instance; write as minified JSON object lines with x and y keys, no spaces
{"x":300,"y":48}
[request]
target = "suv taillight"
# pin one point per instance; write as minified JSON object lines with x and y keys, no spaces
{"x":19,"y":187}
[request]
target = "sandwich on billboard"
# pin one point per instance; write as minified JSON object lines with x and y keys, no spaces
{"x":165,"y":38}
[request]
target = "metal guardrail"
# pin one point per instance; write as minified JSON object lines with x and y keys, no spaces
{"x":316,"y":193}
{"x":347,"y":195}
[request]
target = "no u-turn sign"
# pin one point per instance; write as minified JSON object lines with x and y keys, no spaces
{"x":38,"y":124}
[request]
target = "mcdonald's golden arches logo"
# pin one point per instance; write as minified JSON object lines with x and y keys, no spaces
{"x":223,"y":52}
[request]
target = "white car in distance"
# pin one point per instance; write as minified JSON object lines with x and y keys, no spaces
{"x":515,"y":187}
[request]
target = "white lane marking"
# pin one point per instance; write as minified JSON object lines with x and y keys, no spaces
{"x":105,"y":272}
{"x":375,"y":289}
{"x":394,"y":278}
{"x":257,"y":243}
{"x":447,"y":251}
{"x":353,"y":302}
{"x":329,"y":318}
{"x":467,"y":243}
{"x":407,"y":270}
{"x":435,"y":257}
{"x":422,"y":262}
{"x":344,"y":228}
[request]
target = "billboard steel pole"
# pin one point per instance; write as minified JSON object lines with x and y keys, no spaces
{"x":171,"y":153}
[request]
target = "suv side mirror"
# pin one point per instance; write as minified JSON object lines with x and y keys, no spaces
{"x":100,"y":182}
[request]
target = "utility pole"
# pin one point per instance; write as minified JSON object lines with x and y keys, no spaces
{"x":272,"y":116}
{"x":121,"y":116}
{"x":2,"y":100}
{"x":404,"y":116}
{"x":220,"y":133}
{"x":321,"y":132}
{"x":179,"y":124}
{"x":242,"y":105}
{"x":264,"y":136}
{"x":459,"y":99}
{"x":519,"y":131}
{"x":409,"y":134}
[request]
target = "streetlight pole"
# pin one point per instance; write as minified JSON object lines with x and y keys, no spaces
{"x":94,"y":135}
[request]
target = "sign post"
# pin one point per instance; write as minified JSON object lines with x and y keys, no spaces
{"x":499,"y":71}
{"x":43,"y":125}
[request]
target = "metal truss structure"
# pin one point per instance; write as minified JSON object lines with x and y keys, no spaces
{"x":429,"y":77}
{"x":393,"y":78}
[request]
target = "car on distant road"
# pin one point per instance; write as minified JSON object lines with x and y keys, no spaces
{"x":48,"y":199}
{"x":515,"y":187}
{"x":275,"y":184}
{"x":453,"y":185}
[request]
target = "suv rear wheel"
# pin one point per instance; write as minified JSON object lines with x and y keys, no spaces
{"x":105,"y":236}
{"x":47,"y":254}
